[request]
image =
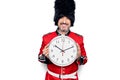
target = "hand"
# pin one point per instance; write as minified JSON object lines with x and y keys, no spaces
{"x":78,"y":50}
{"x":59,"y":48}
{"x":46,"y":51}
{"x":68,"y":48}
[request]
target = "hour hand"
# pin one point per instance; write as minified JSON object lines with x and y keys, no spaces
{"x":59,"y":48}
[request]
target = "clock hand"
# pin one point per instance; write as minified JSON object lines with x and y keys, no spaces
{"x":68,"y":48}
{"x":59,"y":48}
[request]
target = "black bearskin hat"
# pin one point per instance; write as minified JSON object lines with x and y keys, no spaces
{"x":64,"y":8}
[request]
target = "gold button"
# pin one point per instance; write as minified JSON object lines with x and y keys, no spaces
{"x":63,"y":68}
{"x":63,"y":72}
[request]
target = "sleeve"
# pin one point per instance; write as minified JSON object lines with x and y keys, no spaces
{"x":41,"y":57}
{"x":83,"y":58}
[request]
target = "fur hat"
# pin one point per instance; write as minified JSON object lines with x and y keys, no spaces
{"x":64,"y":8}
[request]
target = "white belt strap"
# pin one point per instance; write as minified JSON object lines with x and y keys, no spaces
{"x":72,"y":75}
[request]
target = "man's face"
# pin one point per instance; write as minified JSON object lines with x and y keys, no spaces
{"x":64,"y":24}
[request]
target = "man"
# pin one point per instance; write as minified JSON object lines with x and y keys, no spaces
{"x":64,"y":19}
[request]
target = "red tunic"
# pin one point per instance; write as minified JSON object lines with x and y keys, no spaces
{"x":67,"y":69}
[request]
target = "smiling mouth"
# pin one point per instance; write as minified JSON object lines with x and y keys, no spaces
{"x":64,"y":24}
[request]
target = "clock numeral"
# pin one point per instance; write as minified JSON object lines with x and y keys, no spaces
{"x":73,"y":50}
{"x":53,"y":56}
{"x":68,"y":42}
{"x":51,"y":50}
{"x":68,"y":59}
{"x":57,"y":41}
{"x":62,"y":61}
{"x":71,"y":56}
{"x":63,"y":39}
{"x":57,"y":59}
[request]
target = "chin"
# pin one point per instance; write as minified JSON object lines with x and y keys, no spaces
{"x":64,"y":30}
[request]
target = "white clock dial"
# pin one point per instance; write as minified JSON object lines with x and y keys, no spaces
{"x":62,"y":51}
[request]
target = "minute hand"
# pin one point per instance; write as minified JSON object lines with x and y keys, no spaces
{"x":68,"y":48}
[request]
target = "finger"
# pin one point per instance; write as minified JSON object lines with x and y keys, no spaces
{"x":47,"y":46}
{"x":46,"y":54}
{"x":45,"y":49}
{"x":78,"y":46}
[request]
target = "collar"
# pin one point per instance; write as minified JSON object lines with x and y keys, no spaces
{"x":59,"y":34}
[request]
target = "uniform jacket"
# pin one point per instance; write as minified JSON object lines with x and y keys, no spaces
{"x":67,"y":69}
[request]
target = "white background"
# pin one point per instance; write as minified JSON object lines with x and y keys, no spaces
{"x":24,"y":22}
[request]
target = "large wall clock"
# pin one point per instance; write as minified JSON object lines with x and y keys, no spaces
{"x":62,"y":50}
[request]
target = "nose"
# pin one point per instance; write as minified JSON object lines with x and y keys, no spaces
{"x":64,"y":19}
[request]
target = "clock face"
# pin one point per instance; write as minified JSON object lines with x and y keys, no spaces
{"x":62,"y":51}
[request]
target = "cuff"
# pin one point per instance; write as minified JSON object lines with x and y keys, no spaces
{"x":43,"y":59}
{"x":81,"y":60}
